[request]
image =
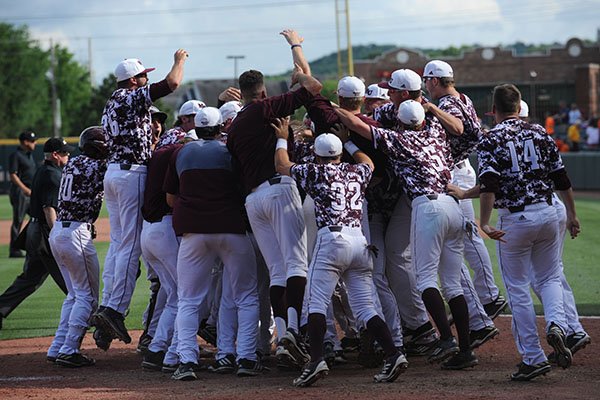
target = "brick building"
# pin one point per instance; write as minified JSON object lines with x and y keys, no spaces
{"x":569,"y":73}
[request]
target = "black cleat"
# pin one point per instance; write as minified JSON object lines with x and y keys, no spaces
{"x":153,"y":360}
{"x":444,"y":349}
{"x":113,"y":322}
{"x":461,"y":360}
{"x":481,"y":336}
{"x":312,"y":372}
{"x":75,"y":360}
{"x":556,"y":339}
{"x":392,"y":368}
{"x":528,"y":372}
{"x":496,"y":307}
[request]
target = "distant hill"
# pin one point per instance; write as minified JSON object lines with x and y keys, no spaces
{"x":326,"y":66}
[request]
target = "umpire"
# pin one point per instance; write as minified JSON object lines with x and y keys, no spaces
{"x":39,"y":261}
{"x":21,"y":167}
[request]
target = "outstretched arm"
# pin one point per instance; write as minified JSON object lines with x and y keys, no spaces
{"x":453,"y":125}
{"x":282,"y":158}
{"x":175,"y":76}
{"x":353,"y":123}
{"x":306,"y":81}
{"x":295,"y":41}
{"x":359,"y":156}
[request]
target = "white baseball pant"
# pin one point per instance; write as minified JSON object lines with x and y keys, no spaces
{"x":75,"y":253}
{"x":124,"y":196}
{"x":530,"y":257}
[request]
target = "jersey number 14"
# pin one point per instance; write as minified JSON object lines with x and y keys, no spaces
{"x":530,"y":155}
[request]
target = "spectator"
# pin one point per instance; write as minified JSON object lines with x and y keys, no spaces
{"x":592,"y":133}
{"x":549,"y":123}
{"x":574,"y":114}
{"x":574,"y":135}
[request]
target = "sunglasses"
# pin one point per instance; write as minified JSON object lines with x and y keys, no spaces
{"x":144,"y":75}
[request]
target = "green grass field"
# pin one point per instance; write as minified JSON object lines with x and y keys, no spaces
{"x":39,"y":314}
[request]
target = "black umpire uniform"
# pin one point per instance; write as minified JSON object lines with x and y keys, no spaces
{"x":39,"y":261}
{"x":22,"y":164}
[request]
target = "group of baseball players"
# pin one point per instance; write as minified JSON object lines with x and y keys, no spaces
{"x":242,"y":220}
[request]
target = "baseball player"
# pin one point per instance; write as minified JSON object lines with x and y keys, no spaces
{"x":457,"y":114}
{"x":420,"y":159}
{"x":375,"y":96}
{"x":341,"y":251}
{"x":79,"y":203}
{"x":126,"y":121}
{"x":518,"y":161}
{"x":207,"y":212}
{"x":273,"y":203}
{"x":183,"y":124}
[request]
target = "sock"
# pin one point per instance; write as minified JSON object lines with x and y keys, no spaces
{"x":435,"y":306}
{"x":280,"y":327}
{"x":460,"y":312}
{"x":295,"y":297}
{"x":292,"y":319}
{"x":277,"y":296}
{"x":380,"y":331}
{"x":316,"y":333}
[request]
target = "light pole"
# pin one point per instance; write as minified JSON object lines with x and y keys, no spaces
{"x":533,"y":116}
{"x":235,"y":66}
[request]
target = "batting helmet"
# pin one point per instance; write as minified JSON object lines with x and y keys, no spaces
{"x":92,"y":143}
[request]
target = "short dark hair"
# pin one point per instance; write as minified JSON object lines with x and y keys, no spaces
{"x":351,"y":103}
{"x":208,"y":131}
{"x":251,"y":83}
{"x":414,"y":94}
{"x":507,"y":98}
{"x":446,"y":82}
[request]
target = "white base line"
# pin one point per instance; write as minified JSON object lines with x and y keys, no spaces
{"x":541,"y":316}
{"x":31,"y":378}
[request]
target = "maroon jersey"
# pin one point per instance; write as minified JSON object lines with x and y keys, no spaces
{"x":419,"y":158}
{"x":81,"y":189}
{"x":251,"y":139}
{"x":155,"y":199}
{"x":522,"y":155}
{"x":462,"y":108}
{"x":337,"y":189}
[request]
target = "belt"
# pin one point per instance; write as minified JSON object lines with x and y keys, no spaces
{"x":522,"y":208}
{"x":274,"y":181}
{"x":435,"y":197}
{"x":334,"y":228}
{"x":67,"y":224}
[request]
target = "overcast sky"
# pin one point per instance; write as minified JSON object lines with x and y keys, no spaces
{"x":211,"y":30}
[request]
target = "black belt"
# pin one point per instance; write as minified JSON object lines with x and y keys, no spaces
{"x":435,"y":197}
{"x":335,"y":228}
{"x":274,"y":181}
{"x":522,"y":208}
{"x":125,"y":167}
{"x":67,"y":224}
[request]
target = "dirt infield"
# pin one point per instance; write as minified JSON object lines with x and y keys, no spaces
{"x":24,"y":374}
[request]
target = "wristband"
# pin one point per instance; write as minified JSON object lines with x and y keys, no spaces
{"x":351,"y":147}
{"x":295,"y":45}
{"x":281,"y":144}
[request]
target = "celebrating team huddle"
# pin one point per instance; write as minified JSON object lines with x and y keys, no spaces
{"x":254,"y":231}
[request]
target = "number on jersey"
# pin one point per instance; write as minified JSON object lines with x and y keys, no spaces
{"x":66,"y":187}
{"x":340,"y":196}
{"x":530,"y":155}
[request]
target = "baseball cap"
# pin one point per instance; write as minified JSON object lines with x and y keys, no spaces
{"x":57,"y":144}
{"x":376,"y":92}
{"x":129,"y":68}
{"x":230,"y":109}
{"x":438,"y":69}
{"x":27,"y":135}
{"x":190,"y":135}
{"x":207,"y":117}
{"x":411,"y":112}
{"x":191,"y":107}
{"x":328,"y":145}
{"x":403,"y":79}
{"x":157,"y":114}
{"x":350,"y":86}
{"x":524,"y":113}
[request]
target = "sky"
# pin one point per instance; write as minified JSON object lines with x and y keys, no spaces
{"x":108,"y":31}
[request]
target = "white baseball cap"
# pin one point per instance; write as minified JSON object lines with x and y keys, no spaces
{"x":376,"y":92}
{"x":191,"y":107}
{"x":438,"y":69}
{"x":524,"y":113}
{"x":191,"y":135}
{"x":207,"y":117}
{"x":328,"y":145}
{"x":230,"y":109}
{"x":350,"y":86}
{"x":403,"y":79}
{"x":411,"y":112}
{"x":129,"y":68}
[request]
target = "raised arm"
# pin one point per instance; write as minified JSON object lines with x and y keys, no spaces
{"x":354,"y":123}
{"x":306,"y":81}
{"x":282,"y":158}
{"x":175,"y":76}
{"x":295,"y":41}
{"x":359,"y":156}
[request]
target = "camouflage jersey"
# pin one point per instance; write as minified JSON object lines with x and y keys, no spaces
{"x":172,"y":136}
{"x":419,"y":158}
{"x":126,"y":121}
{"x":81,"y":189}
{"x":462,"y":108}
{"x":522,"y":155}
{"x":337,"y":189}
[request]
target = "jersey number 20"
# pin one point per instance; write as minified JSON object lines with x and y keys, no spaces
{"x":66,"y":187}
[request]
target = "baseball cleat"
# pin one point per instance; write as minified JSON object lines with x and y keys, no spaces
{"x":444,"y":349}
{"x":577,"y":341}
{"x":75,"y":360}
{"x":496,"y":307}
{"x":481,"y":336}
{"x":413,"y":335}
{"x":169,"y":368}
{"x":247,"y":367}
{"x":185,"y":372}
{"x":224,"y":365}
{"x":143,"y":344}
{"x":209,"y":334}
{"x":285,"y":361}
{"x":556,"y":339}
{"x":312,"y":372}
{"x":392,"y":368}
{"x":528,"y":372}
{"x":114,"y":322}
{"x":153,"y":360}
{"x":295,"y":345}
{"x":461,"y":360}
